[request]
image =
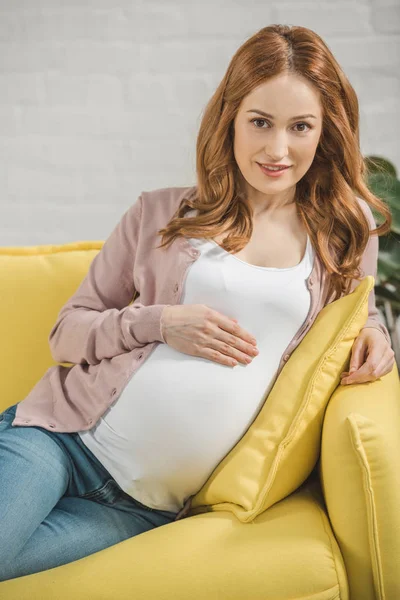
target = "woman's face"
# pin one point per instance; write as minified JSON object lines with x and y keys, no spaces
{"x":279,"y":138}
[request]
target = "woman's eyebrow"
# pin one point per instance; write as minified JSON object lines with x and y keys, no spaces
{"x":261,"y":112}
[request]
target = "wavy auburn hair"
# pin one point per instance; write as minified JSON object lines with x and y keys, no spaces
{"x":325,"y":196}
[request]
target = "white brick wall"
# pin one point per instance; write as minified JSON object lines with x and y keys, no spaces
{"x":101,"y":99}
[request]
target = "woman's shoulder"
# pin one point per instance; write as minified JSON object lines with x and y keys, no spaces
{"x":160,"y":204}
{"x":367,"y":211}
{"x":172,"y":192}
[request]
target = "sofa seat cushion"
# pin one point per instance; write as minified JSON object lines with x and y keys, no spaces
{"x":287,"y":552}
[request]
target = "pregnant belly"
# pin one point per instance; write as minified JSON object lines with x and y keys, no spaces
{"x":187,"y":402}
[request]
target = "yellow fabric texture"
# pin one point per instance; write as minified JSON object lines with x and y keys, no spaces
{"x":36,"y":281}
{"x":338,"y":540}
{"x":359,"y":473}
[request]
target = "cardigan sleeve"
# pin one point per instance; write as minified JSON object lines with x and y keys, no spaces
{"x":96,"y":322}
{"x":369,"y":266}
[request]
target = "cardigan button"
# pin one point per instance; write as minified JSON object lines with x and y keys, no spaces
{"x":113,"y":391}
{"x":176,"y":287}
{"x":286,"y":357}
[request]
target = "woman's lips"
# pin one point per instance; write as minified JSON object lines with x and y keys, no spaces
{"x":273,"y":173}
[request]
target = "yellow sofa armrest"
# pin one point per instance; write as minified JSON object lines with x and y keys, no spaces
{"x":360,"y":479}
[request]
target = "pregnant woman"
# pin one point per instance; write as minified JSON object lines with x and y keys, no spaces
{"x":191,"y":309}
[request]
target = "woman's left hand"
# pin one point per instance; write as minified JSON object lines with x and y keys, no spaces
{"x":371,"y":357}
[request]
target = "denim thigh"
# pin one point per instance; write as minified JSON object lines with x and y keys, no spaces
{"x":88,"y":478}
{"x":57,"y":501}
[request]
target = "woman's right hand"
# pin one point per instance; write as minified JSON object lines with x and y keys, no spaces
{"x":198,"y":330}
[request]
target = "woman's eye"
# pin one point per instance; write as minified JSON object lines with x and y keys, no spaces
{"x":306,"y":124}
{"x":299,"y":131}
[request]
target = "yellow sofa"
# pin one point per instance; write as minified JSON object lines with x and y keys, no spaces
{"x":320,"y":520}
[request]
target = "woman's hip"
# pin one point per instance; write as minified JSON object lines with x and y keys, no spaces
{"x":65,"y":452}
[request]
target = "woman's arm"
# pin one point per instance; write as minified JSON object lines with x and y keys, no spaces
{"x":97,"y":322}
{"x":369,"y":266}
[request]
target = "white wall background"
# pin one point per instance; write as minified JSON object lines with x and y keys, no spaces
{"x":101,"y":99}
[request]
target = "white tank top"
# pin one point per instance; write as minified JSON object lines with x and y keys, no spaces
{"x":179,"y":415}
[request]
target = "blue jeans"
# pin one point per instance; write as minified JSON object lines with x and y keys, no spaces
{"x":57,"y":501}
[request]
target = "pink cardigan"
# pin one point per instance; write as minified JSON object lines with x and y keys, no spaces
{"x":108,"y":339}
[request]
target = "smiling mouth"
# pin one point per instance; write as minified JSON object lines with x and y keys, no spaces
{"x":277,"y":168}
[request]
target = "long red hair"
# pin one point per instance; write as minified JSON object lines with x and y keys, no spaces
{"x":325,"y":196}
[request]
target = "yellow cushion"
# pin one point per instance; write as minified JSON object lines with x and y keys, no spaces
{"x":281,"y":447}
{"x":36,"y":281}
